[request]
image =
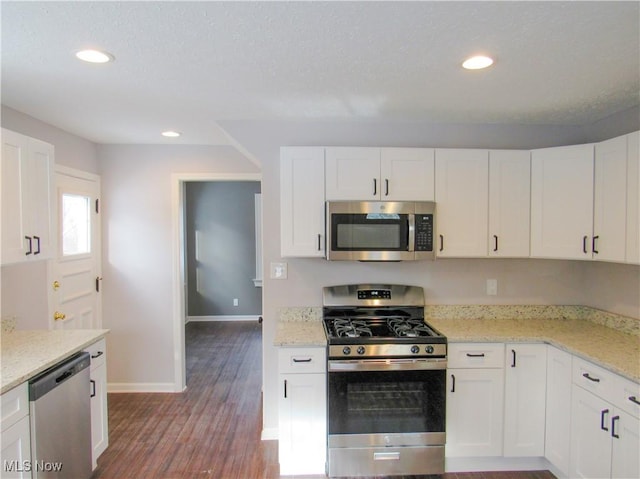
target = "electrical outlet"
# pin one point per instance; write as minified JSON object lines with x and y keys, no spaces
{"x":492,"y":287}
{"x":235,"y":301}
{"x":278,"y":271}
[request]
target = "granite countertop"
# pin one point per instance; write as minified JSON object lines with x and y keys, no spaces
{"x":24,"y":354}
{"x":572,"y":329}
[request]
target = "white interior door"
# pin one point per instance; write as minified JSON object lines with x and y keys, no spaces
{"x":76,"y":271}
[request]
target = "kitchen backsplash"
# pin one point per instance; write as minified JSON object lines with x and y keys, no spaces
{"x":472,"y":311}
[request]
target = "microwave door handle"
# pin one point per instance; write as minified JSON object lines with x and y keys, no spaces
{"x":412,"y":232}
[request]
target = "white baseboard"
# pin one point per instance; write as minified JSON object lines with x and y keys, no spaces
{"x":222,"y":318}
{"x":269,"y":434}
{"x":142,"y":388}
{"x":471,"y":464}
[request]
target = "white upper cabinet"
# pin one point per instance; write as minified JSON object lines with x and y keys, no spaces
{"x":462,"y":189}
{"x":27,"y":173}
{"x":609,"y":215}
{"x":379,"y":174}
{"x":509,"y":203}
{"x":562,"y":202}
{"x":633,"y":198}
{"x":302,"y":202}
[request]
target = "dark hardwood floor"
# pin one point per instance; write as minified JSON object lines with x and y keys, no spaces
{"x":213,"y":429}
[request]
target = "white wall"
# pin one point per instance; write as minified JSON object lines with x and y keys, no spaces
{"x":446,"y":281}
{"x":138,"y":257}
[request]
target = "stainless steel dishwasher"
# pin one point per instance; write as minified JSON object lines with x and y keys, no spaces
{"x":60,"y":408}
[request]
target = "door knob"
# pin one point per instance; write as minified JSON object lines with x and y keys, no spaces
{"x":57,"y":316}
{"x":56,"y":285}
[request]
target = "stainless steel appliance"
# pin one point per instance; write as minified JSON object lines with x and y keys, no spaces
{"x":60,"y":409}
{"x":386,"y":371}
{"x":380,"y":230}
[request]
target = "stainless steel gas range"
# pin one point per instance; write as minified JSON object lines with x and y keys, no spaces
{"x":386,"y":371}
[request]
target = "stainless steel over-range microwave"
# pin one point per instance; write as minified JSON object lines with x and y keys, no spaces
{"x":380,"y":230}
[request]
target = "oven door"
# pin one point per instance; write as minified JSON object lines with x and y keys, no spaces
{"x":386,"y":402}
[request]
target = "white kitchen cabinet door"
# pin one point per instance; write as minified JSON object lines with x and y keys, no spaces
{"x":562,"y":202}
{"x":407,"y":174}
{"x":610,"y":202}
{"x":557,"y":444}
{"x":524,"y":399}
{"x":625,"y":452}
{"x":302,"y":202}
{"x":633,"y":198}
{"x":462,"y":189}
{"x":98,"y":393}
{"x":27,"y":175}
{"x":352,"y":173}
{"x":302,"y":424}
{"x":509,"y":203}
{"x":15,"y":456}
{"x":474,"y":412}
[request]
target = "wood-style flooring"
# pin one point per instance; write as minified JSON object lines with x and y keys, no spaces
{"x":213,"y":429}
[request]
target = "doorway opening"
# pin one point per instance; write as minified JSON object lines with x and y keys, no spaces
{"x":210,"y":244}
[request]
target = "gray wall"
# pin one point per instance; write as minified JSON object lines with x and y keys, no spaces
{"x":222,"y":217}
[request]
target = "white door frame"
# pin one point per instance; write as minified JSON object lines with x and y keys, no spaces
{"x":177,"y":206}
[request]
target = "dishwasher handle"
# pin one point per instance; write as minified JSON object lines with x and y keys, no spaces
{"x":57,"y":375}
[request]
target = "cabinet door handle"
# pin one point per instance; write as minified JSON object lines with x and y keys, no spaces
{"x":634,"y":400}
{"x":614,"y":420}
{"x":478,"y":355}
{"x":285,"y":389}
{"x":594,"y":245}
{"x":319,"y":241}
{"x":37,"y":238}
{"x":93,"y":387}
{"x":453,"y":383}
{"x":375,"y":187}
{"x":513,"y":360}
{"x":584,"y":244}
{"x":441,"y":242}
{"x":603,"y":413}
{"x":28,"y":238}
{"x":495,"y":239}
{"x":296,"y":360}
{"x":386,"y":187}
{"x":595,"y":380}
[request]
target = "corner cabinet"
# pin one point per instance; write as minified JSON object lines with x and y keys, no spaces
{"x":98,"y":393}
{"x":27,"y":186}
{"x":302,"y":410}
{"x":302,"y":202}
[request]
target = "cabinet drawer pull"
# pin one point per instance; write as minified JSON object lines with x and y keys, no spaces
{"x":595,"y":380}
{"x":513,"y":362}
{"x":307,"y":360}
{"x":97,"y":355}
{"x":603,"y":413}
{"x":93,"y":387}
{"x":478,"y":355}
{"x":614,"y":420}
{"x":453,"y":383}
{"x":634,"y":400}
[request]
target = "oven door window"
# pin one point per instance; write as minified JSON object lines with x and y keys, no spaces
{"x":369,"y":232}
{"x":374,"y":402}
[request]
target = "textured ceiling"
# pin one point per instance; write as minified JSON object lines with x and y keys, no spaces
{"x":188,"y":65}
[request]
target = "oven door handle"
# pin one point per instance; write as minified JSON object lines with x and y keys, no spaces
{"x":386,"y":365}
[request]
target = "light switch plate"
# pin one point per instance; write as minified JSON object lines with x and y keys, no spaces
{"x":278,"y":271}
{"x":492,"y":287}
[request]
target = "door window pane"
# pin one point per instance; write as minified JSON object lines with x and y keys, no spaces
{"x":76,"y":225}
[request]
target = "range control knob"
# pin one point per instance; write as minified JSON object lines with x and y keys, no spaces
{"x":429,"y":349}
{"x":361,"y":350}
{"x":346,"y":350}
{"x":415,"y":349}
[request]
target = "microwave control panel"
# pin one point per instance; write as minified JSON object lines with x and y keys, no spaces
{"x":424,"y":232}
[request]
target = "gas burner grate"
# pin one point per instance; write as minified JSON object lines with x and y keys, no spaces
{"x":351,"y":328}
{"x":409,"y":328}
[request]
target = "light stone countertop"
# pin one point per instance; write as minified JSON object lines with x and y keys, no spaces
{"x":610,"y":348}
{"x":25,"y":354}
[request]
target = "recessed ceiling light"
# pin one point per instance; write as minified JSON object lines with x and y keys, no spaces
{"x":171,"y":134}
{"x":95,"y":56}
{"x":478,"y":62}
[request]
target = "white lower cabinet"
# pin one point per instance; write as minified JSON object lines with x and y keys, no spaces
{"x":15,"y":455}
{"x":557,"y":442}
{"x":302,"y":411}
{"x":475,"y":390}
{"x":99,"y":415}
{"x":605,"y":439}
{"x":524,"y":403}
